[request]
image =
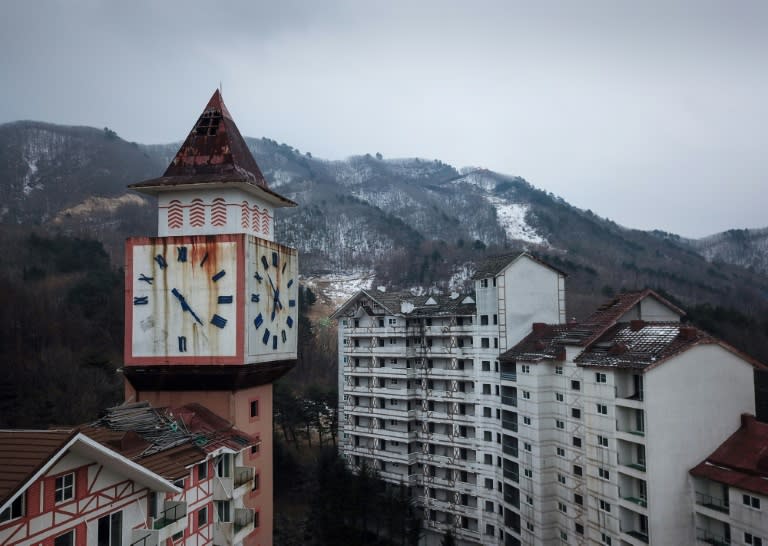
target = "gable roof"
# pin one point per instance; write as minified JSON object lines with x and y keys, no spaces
{"x":742,"y":460}
{"x":25,"y":456}
{"x":390,"y":302}
{"x":492,"y":266}
{"x":214,"y":152}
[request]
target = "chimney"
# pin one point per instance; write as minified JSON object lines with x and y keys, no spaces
{"x":687,"y":333}
{"x":636,"y":325}
{"x":539,"y":327}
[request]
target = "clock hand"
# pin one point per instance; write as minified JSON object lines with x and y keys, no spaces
{"x":275,"y":293}
{"x":185,"y":306}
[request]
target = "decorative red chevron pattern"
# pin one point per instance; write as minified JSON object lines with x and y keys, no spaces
{"x":256,"y":219}
{"x":245,"y":215}
{"x":197,"y":213}
{"x":266,"y":222}
{"x":219,"y":212}
{"x":175,"y":214}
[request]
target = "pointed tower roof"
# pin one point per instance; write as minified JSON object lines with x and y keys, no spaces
{"x":214,"y":153}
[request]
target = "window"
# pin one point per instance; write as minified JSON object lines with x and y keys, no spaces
{"x":393,"y":381}
{"x":526,"y":446}
{"x":65,"y":487}
{"x":525,"y":368}
{"x":224,"y":466}
{"x":753,"y":540}
{"x":749,"y":500}
{"x":529,"y":526}
{"x":392,"y":341}
{"x":15,"y":510}
{"x":381,"y":323}
{"x":529,"y":500}
{"x":488,"y":483}
{"x":578,"y":499}
{"x":576,"y":441}
{"x":604,"y":473}
{"x":526,"y":395}
{"x":255,"y":448}
{"x":564,"y":536}
{"x":67,"y":539}
{"x":576,"y":413}
{"x":606,"y":539}
{"x":579,"y":528}
{"x":222,"y":511}
{"x":577,"y":470}
{"x":202,"y":517}
{"x":483,"y":320}
{"x":600,"y":378}
{"x":483,"y":283}
{"x":486,"y":388}
{"x":489,"y":506}
{"x":526,"y":420}
{"x":575,"y":385}
{"x":528,"y":473}
{"x":562,"y":507}
{"x":495,"y":319}
{"x":560,"y":452}
{"x":559,"y":396}
{"x":561,"y":479}
{"x":558,"y":370}
{"x":393,"y":402}
{"x":392,"y":321}
{"x":495,"y":343}
{"x":602,"y":441}
{"x":488,"y":458}
{"x":604,"y":506}
{"x":490,"y":530}
{"x":202,"y":471}
{"x":485,"y":342}
{"x":559,"y":424}
{"x":486,"y":412}
{"x":486,"y":365}
{"x":487,"y":436}
{"x":256,"y":482}
{"x":110,"y":530}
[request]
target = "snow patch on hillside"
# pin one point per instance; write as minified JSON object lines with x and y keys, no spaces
{"x":28,"y":187}
{"x":99,"y":204}
{"x":512,"y":219}
{"x":337,"y":289}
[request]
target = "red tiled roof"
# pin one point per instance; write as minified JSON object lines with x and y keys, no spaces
{"x":742,"y":460}
{"x":25,"y":452}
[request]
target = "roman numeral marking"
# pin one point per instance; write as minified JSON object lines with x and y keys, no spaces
{"x":181,"y":254}
{"x":283,"y":335}
{"x":265,"y":337}
{"x":290,"y":283}
{"x":264,"y":262}
{"x":219,"y":322}
{"x":218,"y":275}
{"x":291,"y":303}
{"x":160,"y":259}
{"x":182,"y":344}
{"x":255,"y":298}
{"x":274,"y":342}
{"x":257,"y":277}
{"x":140,"y":300}
{"x":224,"y":299}
{"x":275,"y":259}
{"x":289,"y":322}
{"x":144,"y":278}
{"x":258,"y":321}
{"x":205,"y":259}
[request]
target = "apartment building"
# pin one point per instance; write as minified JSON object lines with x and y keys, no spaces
{"x":611,"y":414}
{"x":139,"y":476}
{"x":730,"y":488}
{"x":421,"y":392}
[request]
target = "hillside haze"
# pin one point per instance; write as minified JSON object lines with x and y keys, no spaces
{"x":410,"y":221}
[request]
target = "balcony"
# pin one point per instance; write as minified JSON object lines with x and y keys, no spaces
{"x":508,"y":376}
{"x":708,"y":537}
{"x":638,"y":535}
{"x":508,"y":424}
{"x":714,"y":503}
{"x":509,"y":401}
{"x":233,"y":532}
{"x":172,"y":520}
{"x":640,"y":501}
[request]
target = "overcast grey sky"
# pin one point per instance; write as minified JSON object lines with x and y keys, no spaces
{"x":652,"y":113}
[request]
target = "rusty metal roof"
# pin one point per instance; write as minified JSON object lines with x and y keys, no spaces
{"x":742,"y":460}
{"x":214,"y":152}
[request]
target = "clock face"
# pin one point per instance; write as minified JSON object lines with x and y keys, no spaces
{"x":272,"y":301}
{"x":185,"y":300}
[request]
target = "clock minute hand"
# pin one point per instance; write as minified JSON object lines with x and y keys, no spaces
{"x":275,"y":293}
{"x":184,"y":305}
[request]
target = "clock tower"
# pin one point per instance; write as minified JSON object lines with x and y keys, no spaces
{"x":211,"y":303}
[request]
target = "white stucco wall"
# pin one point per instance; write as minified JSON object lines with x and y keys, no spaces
{"x":693,"y":403}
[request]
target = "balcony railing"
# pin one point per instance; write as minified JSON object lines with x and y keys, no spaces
{"x":171,"y":514}
{"x":705,"y":535}
{"x":509,"y":376}
{"x":640,"y":501}
{"x":639,"y":535}
{"x":243,"y":475}
{"x":510,"y":449}
{"x":715,"y":503}
{"x":144,"y":537}
{"x":512,"y":475}
{"x":509,"y":425}
{"x":509,"y":400}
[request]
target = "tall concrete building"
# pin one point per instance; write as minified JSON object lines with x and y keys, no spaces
{"x":512,"y":426}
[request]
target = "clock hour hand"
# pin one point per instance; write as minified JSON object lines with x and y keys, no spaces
{"x":275,"y":294}
{"x":184,"y":305}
